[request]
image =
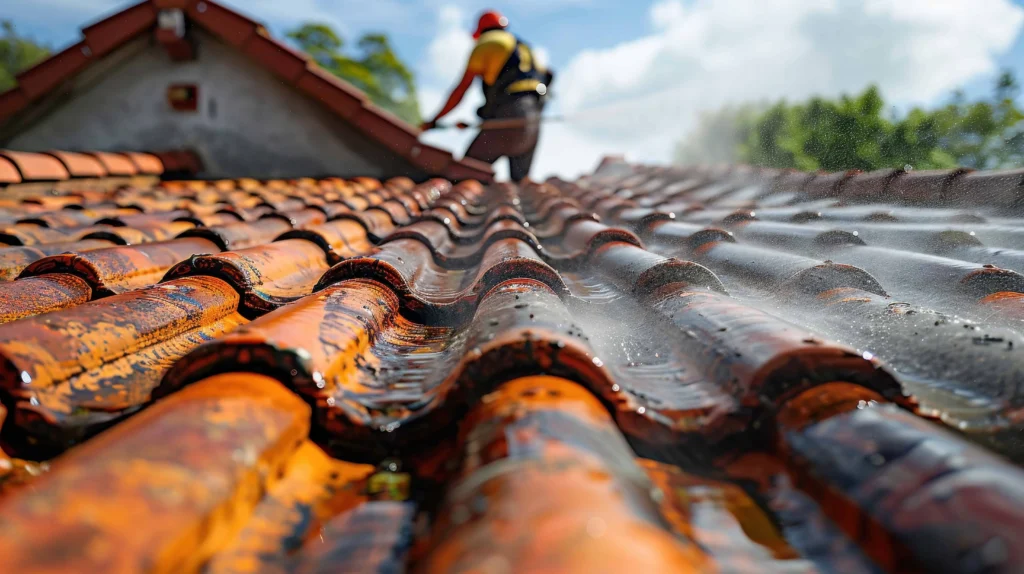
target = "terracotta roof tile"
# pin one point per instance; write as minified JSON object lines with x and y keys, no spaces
{"x":68,"y":384}
{"x":79,"y":164}
{"x":528,"y":475}
{"x":373,"y":537}
{"x":9,"y":171}
{"x":36,"y":166}
{"x":120,"y":269}
{"x":210,"y":475}
{"x":240,"y":235}
{"x":42,"y":294}
{"x":146,"y":163}
{"x":37,"y":232}
{"x":266,"y":276}
{"x":566,"y":376}
{"x":13,"y":260}
{"x":115,"y":163}
{"x":313,"y":490}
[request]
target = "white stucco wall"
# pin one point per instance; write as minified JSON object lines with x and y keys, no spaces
{"x":248,"y":122}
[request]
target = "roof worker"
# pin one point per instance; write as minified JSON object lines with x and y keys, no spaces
{"x":515,"y":89}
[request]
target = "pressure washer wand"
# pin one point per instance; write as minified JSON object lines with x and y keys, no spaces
{"x":502,"y":124}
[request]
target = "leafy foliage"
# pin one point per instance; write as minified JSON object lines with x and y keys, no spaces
{"x":375,"y":69}
{"x":16,"y":54}
{"x":853,"y":132}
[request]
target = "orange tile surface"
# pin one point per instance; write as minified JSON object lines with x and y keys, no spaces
{"x":646,"y":369}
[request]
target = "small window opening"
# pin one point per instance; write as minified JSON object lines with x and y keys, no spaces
{"x":183,"y":97}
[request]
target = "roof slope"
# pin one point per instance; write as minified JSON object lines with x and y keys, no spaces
{"x":648,"y":369}
{"x":250,"y":37}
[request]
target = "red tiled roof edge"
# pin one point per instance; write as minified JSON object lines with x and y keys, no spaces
{"x":60,"y":165}
{"x":252,"y":39}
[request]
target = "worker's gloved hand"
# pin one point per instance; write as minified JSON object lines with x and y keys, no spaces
{"x":427,"y":126}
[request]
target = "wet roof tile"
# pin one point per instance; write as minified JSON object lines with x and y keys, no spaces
{"x":706,"y":369}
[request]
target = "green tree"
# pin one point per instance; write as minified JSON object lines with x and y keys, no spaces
{"x":984,"y":134}
{"x":375,"y":68}
{"x":16,"y":54}
{"x":854,"y":132}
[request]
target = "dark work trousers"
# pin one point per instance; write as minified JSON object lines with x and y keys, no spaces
{"x":517,"y":143}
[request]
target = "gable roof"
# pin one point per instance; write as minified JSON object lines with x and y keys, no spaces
{"x":289,"y":65}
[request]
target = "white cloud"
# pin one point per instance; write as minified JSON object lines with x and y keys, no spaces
{"x":449,"y":50}
{"x":642,"y":95}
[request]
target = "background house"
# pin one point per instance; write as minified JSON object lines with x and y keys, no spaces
{"x":171,"y":75}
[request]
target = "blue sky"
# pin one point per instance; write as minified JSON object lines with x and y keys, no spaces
{"x":634,"y":76}
{"x":594,"y":24}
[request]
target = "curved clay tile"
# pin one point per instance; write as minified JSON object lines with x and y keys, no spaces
{"x":778,"y":272}
{"x":9,"y":171}
{"x":323,"y":339}
{"x":116,"y":164}
{"x":733,"y":528}
{"x":316,"y":495}
{"x":373,"y":537}
{"x":36,"y":166}
{"x":44,"y":294}
{"x":408,"y":267}
{"x":917,"y":271}
{"x":13,"y":260}
{"x":638,"y":271}
{"x":267,"y":276}
{"x":241,"y":235}
{"x":221,"y":217}
{"x":67,"y":385}
{"x":339,"y":238}
{"x":377,"y":223}
{"x":542,"y":455}
{"x":942,"y":480}
{"x":142,"y":232}
{"x":260,"y":426}
{"x":918,"y":343}
{"x":301,"y":217}
{"x":145,"y":163}
{"x":994,"y":188}
{"x":447,"y":253}
{"x":32,"y":234}
{"x":759,"y":359}
{"x":62,"y":220}
{"x":80,"y":164}
{"x":120,"y":269}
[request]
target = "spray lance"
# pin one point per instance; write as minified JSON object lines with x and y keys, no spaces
{"x":509,"y":123}
{"x":505,"y":123}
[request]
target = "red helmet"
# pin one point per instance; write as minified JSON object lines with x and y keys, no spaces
{"x":489,"y":20}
